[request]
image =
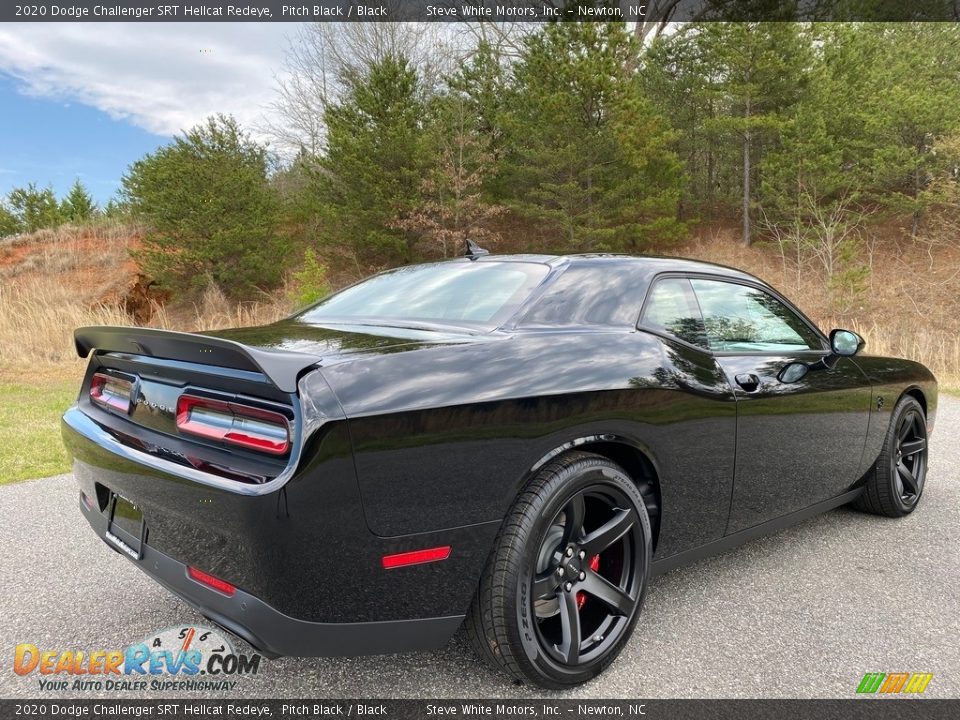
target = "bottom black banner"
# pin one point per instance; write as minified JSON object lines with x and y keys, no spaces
{"x":400,"y":709}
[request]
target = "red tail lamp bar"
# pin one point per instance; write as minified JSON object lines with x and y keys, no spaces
{"x":416,"y":557}
{"x":234,"y":423}
{"x":211,"y":582}
{"x":111,"y":392}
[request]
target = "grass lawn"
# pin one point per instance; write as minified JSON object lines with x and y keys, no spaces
{"x":30,"y":445}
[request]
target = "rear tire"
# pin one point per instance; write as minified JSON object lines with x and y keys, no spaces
{"x":895,"y":483}
{"x":563,"y":587}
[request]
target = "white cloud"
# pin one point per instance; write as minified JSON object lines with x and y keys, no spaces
{"x":163,"y":77}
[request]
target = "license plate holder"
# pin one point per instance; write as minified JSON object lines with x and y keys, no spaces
{"x":125,"y":526}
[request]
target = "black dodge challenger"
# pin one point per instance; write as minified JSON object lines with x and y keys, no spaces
{"x":515,"y":444}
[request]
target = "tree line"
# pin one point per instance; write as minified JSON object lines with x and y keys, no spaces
{"x":397,"y":142}
{"x":31,"y":208}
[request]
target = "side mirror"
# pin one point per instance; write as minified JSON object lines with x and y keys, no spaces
{"x":845,"y":343}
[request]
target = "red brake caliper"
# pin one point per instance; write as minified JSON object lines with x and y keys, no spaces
{"x":582,"y":596}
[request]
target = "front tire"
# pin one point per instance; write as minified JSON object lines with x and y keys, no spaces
{"x":895,"y":483}
{"x":562,"y":590}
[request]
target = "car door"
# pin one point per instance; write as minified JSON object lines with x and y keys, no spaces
{"x":799,"y":441}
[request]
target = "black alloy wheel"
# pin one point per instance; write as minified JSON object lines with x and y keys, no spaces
{"x":910,"y":457}
{"x":895,"y":483}
{"x":562,"y":590}
{"x":586,"y":584}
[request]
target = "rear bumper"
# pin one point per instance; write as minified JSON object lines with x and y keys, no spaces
{"x":307,"y":567}
{"x":274,"y":633}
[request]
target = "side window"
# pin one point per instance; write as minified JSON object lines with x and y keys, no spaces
{"x":601,"y":294}
{"x":743,"y":318}
{"x":671,"y":308}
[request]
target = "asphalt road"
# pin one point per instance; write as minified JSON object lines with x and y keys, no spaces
{"x":803,"y":613}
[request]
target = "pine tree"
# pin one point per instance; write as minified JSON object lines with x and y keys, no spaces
{"x":761,"y":74}
{"x":916,"y":99}
{"x":78,"y":206}
{"x":676,"y":74}
{"x":210,"y":210}
{"x":116,"y":207}
{"x":879,"y":98}
{"x":481,"y":86}
{"x":586,"y":154}
{"x":375,"y":158}
{"x":9,"y":222}
{"x":35,"y":208}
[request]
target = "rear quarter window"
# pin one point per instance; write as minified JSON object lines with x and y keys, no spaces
{"x":672,"y":309}
{"x":602,"y":295}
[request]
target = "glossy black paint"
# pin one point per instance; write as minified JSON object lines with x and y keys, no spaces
{"x":798,"y":443}
{"x":406,"y":439}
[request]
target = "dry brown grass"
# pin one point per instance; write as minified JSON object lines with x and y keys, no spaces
{"x":938,"y":350}
{"x":37,"y":319}
{"x":214,"y":310}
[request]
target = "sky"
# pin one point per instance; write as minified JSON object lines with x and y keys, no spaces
{"x":85,"y":100}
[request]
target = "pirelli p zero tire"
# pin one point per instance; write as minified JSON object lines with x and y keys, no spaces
{"x":895,"y":483}
{"x":562,"y":590}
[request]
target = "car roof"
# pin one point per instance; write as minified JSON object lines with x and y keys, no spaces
{"x":650,"y":264}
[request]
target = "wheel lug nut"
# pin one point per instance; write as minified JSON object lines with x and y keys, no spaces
{"x":569,"y":552}
{"x":568,"y":587}
{"x":560,"y":572}
{"x":583,"y":576}
{"x":583,"y":554}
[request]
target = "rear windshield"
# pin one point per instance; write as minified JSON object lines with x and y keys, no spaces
{"x":469,"y":294}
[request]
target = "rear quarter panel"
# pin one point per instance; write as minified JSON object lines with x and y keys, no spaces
{"x":446,"y":437}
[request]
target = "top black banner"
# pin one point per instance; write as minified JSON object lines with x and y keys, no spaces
{"x":657,"y":11}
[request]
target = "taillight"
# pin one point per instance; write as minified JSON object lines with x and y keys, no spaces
{"x":234,"y":423}
{"x":109,"y":391}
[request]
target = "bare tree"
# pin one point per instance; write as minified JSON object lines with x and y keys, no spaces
{"x":661,"y":12}
{"x":324,"y":58}
{"x":818,"y":232}
{"x":505,"y":39}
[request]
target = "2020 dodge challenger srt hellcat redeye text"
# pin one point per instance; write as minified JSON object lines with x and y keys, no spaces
{"x":516,"y":444}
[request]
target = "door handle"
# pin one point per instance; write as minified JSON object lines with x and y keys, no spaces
{"x":748,"y":381}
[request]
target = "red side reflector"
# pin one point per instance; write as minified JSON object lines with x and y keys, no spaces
{"x":416,"y":557}
{"x":111,"y":392}
{"x":211,"y":581}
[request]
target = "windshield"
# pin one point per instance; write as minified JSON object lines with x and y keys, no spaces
{"x":466,"y":294}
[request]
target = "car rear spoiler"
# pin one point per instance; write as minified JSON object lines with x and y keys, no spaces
{"x":281,"y":367}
